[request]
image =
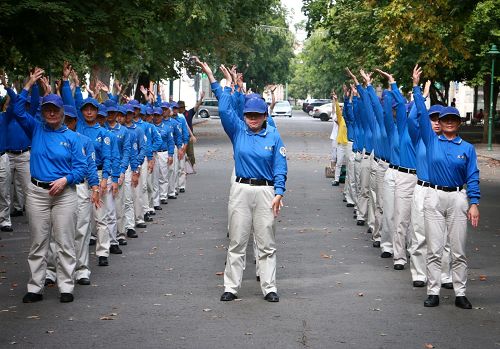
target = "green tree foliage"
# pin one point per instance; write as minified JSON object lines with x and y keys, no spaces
{"x":128,"y":37}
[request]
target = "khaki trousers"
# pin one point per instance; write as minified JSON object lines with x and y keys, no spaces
{"x":57,"y":214}
{"x":250,"y":207}
{"x":446,"y":218}
{"x":172,"y":175}
{"x":350,"y":193}
{"x":381,"y":168}
{"x":125,"y":206}
{"x":357,"y":178}
{"x":21,"y":178}
{"x":162,"y":163}
{"x":341,"y":157}
{"x":181,"y":174}
{"x":364,"y":186}
{"x":138,"y":195}
{"x":5,"y":191}
{"x":388,"y":227}
{"x":418,"y":243}
{"x":405,"y":185}
{"x":372,"y":187}
{"x":101,"y":221}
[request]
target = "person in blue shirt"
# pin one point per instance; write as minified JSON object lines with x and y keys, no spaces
{"x":176,"y":128}
{"x":165,"y":157}
{"x":350,"y":192}
{"x":57,"y":164}
{"x":88,"y":195}
{"x":5,"y":174}
{"x":181,"y":158}
{"x":255,"y":199}
{"x":452,"y":164}
{"x":124,"y":151}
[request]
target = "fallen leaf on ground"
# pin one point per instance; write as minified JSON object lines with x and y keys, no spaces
{"x":168,"y":294}
{"x":248,"y":333}
{"x":219,"y":273}
{"x":36,"y":317}
{"x":483,"y":277}
{"x":206,"y":310}
{"x":106,"y":318}
{"x":428,"y":346}
{"x":360,"y":294}
{"x":49,"y":331}
{"x":324,"y":255}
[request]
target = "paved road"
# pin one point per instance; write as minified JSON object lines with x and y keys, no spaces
{"x":336,"y":292}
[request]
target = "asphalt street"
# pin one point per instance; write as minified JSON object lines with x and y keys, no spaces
{"x":336,"y":291}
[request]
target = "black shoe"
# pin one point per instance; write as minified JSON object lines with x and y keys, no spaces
{"x":172,"y":197}
{"x":350,"y":205}
{"x":431,"y":301}
{"x":418,"y":283}
{"x":152,"y":213}
{"x":463,"y":302}
{"x":386,"y":255}
{"x":141,"y":225}
{"x":227,"y":297}
{"x":182,"y":190}
{"x":447,"y":285}
{"x":122,"y":242}
{"x":132,"y":234}
{"x":369,"y":231}
{"x":335,"y":184}
{"x":344,"y":200}
{"x":360,"y":222}
{"x":376,"y":244}
{"x":66,"y":298}
{"x":257,"y":278}
{"x":31,"y":297}
{"x":114,"y":249}
{"x":147,"y":218}
{"x":164,"y":201}
{"x":92,"y":242}
{"x":272,"y":297}
{"x":16,"y":213}
{"x":399,"y":267}
{"x":7,"y":229}
{"x":158,"y":208}
{"x":103,"y":261}
{"x":49,"y":283}
{"x":83,"y":281}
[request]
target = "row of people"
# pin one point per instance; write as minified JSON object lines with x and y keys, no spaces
{"x":412,"y":180}
{"x":95,"y":169}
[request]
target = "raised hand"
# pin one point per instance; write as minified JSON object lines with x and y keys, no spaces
{"x":117,"y":86}
{"x":234,"y":73}
{"x":334,"y":95}
{"x":427,"y":88}
{"x":103,"y":86}
{"x":47,"y":89}
{"x":205,"y":68}
{"x":35,"y":75}
{"x":143,"y":91}
{"x":366,"y":76}
{"x":352,"y":76}
{"x":67,"y":68}
{"x":3,"y":79}
{"x":386,"y":75}
{"x":227,"y":74}
{"x":417,"y":71}
{"x":74,"y":77}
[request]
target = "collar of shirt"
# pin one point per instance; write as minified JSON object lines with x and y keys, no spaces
{"x":60,"y":129}
{"x":456,"y":140}
{"x":116,"y":127}
{"x":261,"y":133}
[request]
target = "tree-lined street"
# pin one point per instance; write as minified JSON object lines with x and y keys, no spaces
{"x":336,"y":292}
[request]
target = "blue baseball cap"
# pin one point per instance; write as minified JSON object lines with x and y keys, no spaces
{"x":121,"y":110}
{"x":135,"y":103}
{"x":435,"y":109}
{"x":91,"y":101}
{"x":449,"y":111}
{"x":165,"y":105}
{"x":157,"y":111}
{"x":143,"y":110}
{"x":255,"y":105}
{"x":128,"y":108}
{"x":102,"y":111}
{"x":110,"y":103}
{"x":112,"y":108}
{"x":54,"y":100}
{"x":174,"y":105}
{"x":70,"y":111}
{"x":149,"y":111}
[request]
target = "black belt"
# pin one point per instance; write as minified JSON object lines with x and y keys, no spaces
{"x":407,"y":170}
{"x":162,"y":151}
{"x":99,"y":168}
{"x":423,"y":183}
{"x":447,"y":189}
{"x":367,"y":153}
{"x":395,"y":167}
{"x":1,"y":153}
{"x":254,"y":181}
{"x":44,"y":185}
{"x":17,"y":152}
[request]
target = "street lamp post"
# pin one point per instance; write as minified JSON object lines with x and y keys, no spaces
{"x":493,"y":52}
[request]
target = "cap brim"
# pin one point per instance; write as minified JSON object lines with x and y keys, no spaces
{"x":449,"y":114}
{"x":53,"y":103}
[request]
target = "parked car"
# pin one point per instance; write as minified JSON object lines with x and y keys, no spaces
{"x":315,"y":103}
{"x":209,"y":107}
{"x":282,"y":108}
{"x":323,"y":112}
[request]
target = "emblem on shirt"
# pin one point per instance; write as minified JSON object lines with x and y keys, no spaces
{"x":93,"y":156}
{"x":145,"y":138}
{"x":64,"y":144}
{"x":462,"y":157}
{"x":99,"y":139}
{"x":283,"y":151}
{"x":270,"y":148}
{"x":107,"y":141}
{"x":135,"y":146}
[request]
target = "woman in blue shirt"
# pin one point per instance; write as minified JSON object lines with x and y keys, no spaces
{"x":255,"y":198}
{"x":58,"y":162}
{"x":452,"y":164}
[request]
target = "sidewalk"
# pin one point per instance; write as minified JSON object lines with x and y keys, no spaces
{"x":482,"y":150}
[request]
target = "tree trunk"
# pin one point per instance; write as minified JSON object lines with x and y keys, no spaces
{"x":486,"y":90}
{"x":446,"y":93}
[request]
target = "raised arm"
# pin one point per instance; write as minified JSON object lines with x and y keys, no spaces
{"x":426,"y":131}
{"x":25,"y":119}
